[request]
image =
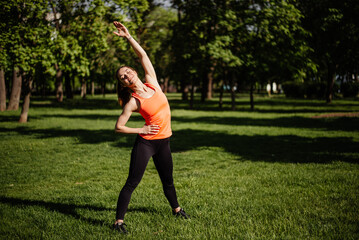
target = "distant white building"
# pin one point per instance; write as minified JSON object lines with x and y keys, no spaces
{"x":273,"y":87}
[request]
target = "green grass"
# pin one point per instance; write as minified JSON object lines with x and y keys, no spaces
{"x":272,"y":173}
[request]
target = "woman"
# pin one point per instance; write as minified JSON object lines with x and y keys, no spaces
{"x":153,"y":138}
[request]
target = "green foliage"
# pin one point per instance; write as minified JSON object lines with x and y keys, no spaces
{"x":314,"y":89}
{"x":92,"y":32}
{"x":250,"y":41}
{"x":155,"y":38}
{"x":350,"y":89}
{"x":25,"y":35}
{"x":69,"y":55}
{"x":276,"y":41}
{"x":132,"y":9}
{"x":220,"y":49}
{"x":334,"y":35}
{"x":293,"y":89}
{"x":309,"y":89}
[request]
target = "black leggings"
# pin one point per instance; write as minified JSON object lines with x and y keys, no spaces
{"x":142,"y":151}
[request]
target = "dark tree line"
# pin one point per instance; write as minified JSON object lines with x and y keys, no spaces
{"x":203,"y":46}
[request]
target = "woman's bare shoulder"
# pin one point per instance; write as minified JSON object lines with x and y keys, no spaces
{"x":153,"y":81}
{"x":133,"y":105}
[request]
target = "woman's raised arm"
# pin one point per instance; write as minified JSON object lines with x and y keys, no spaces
{"x":140,"y":52}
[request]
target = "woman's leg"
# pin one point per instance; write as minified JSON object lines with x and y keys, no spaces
{"x":141,"y":153}
{"x":164,"y":165}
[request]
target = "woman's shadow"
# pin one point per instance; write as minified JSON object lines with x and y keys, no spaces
{"x":69,"y":209}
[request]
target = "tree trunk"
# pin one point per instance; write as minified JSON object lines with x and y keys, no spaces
{"x":192,"y":96}
{"x":59,"y":84}
{"x":83,"y":89}
{"x":92,"y":88}
{"x":330,"y":83}
{"x":103,"y":88}
{"x":251,"y":96}
{"x":184,"y":89}
{"x":2,"y":91}
{"x":233,"y":93}
{"x":210,"y":83}
{"x":221,"y":95}
{"x":165,"y":85}
{"x":27,"y":86}
{"x":258,"y":88}
{"x":15,"y":91}
{"x":43,"y":87}
{"x":68,"y":89}
{"x":221,"y":91}
{"x":59,"y":87}
{"x":204,"y":87}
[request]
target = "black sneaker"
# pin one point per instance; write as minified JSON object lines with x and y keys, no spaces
{"x":120,"y":227}
{"x":180,"y":213}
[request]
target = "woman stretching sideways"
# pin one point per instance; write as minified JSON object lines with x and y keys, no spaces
{"x":153,"y":139}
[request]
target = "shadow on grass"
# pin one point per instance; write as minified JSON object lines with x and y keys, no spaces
{"x":107,"y":117}
{"x":336,"y":124}
{"x":69,"y":209}
{"x":299,"y":106}
{"x":269,"y":105}
{"x":271,"y":148}
{"x":281,"y":148}
{"x":82,"y":136}
{"x":277,"y":148}
{"x":9,"y":118}
{"x":86,"y":104}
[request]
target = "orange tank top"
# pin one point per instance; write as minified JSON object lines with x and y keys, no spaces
{"x":156,"y":111}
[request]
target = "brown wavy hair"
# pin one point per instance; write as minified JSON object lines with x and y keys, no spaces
{"x":123,"y":93}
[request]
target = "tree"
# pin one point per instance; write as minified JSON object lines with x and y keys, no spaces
{"x":35,"y":41}
{"x":334,"y":37}
{"x":16,"y":90}
{"x":193,"y":31}
{"x":54,"y":17}
{"x":10,"y":42}
{"x":156,"y":41}
{"x":25,"y":39}
{"x":3,"y":65}
{"x":224,"y":48}
{"x":65,"y":46}
{"x":91,"y":30}
{"x":254,"y":40}
{"x":132,"y":13}
{"x":2,"y":90}
{"x":275,"y":46}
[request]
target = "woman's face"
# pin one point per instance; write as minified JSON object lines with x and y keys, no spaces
{"x":127,"y":76}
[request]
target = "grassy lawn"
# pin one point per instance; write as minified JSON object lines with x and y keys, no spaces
{"x":274,"y":173}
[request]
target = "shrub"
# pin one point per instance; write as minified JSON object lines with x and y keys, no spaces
{"x":350,"y":89}
{"x":315,"y":89}
{"x":293,"y":89}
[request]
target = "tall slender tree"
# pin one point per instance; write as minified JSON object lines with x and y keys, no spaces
{"x":2,"y":90}
{"x":275,"y":45}
{"x":156,"y":41}
{"x":3,"y":64}
{"x":26,"y":41}
{"x":334,"y":37}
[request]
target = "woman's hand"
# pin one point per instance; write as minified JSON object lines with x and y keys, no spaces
{"x":122,"y":30}
{"x":150,"y":74}
{"x":150,"y":129}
